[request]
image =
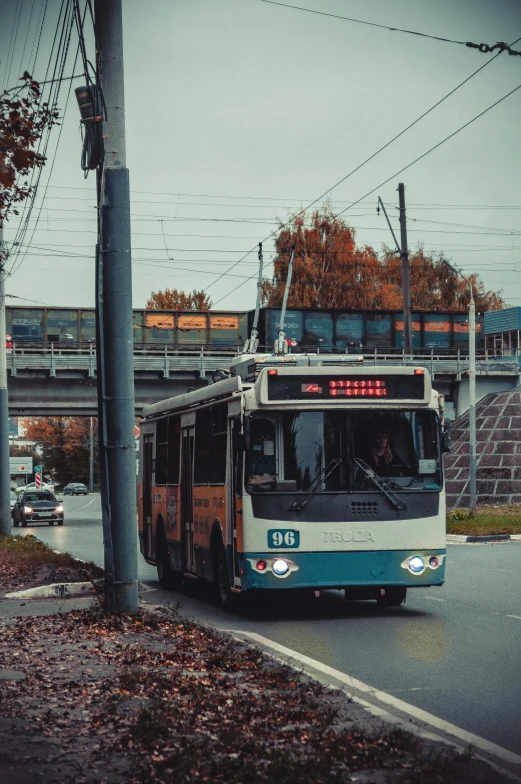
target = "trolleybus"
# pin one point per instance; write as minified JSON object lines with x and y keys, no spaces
{"x":275,"y":478}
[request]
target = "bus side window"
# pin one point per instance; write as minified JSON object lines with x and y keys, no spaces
{"x":218,"y":444}
{"x":174,"y":448}
{"x":161,"y":450}
{"x":262,"y":460}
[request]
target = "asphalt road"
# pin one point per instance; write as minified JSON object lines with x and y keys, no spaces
{"x":454,"y":651}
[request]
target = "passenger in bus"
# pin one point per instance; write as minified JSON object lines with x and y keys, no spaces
{"x":381,"y":458}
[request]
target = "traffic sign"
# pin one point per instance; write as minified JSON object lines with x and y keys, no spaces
{"x":20,"y":465}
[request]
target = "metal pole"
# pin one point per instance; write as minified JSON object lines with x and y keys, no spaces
{"x":91,"y":456}
{"x":406,"y":285}
{"x":116,"y":316}
{"x":5,"y":474}
{"x":472,"y":390}
{"x":472,"y":400}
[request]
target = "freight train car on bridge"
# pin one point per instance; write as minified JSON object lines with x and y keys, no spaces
{"x":307,"y":329}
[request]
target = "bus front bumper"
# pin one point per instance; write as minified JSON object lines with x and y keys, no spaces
{"x":370,"y":569}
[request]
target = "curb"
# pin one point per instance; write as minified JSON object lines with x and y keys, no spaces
{"x":492,"y":538}
{"x":54,"y":591}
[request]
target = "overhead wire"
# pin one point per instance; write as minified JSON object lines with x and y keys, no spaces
{"x":26,"y":38}
{"x":404,"y":168}
{"x":363,"y":22}
{"x":29,"y":203}
{"x":54,"y":92}
{"x":371,"y":157}
{"x":37,"y":36}
{"x":12,"y":45}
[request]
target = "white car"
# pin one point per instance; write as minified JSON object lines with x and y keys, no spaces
{"x":43,"y":486}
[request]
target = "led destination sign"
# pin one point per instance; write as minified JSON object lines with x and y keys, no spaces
{"x":392,"y":387}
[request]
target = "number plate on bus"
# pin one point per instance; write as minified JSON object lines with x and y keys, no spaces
{"x":283,"y":538}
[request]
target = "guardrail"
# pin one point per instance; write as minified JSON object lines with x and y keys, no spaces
{"x":168,"y":360}
{"x":165,"y":362}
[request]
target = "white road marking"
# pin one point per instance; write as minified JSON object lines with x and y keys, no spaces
{"x":434,"y":599}
{"x":418,"y":714}
{"x":84,"y":505}
{"x":517,"y":617}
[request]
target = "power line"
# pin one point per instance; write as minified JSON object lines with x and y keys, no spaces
{"x":363,"y":22}
{"x":417,"y":205}
{"x":371,"y":157}
{"x":394,"y":175}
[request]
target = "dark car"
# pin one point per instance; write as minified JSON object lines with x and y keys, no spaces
{"x":37,"y":507}
{"x":75,"y":488}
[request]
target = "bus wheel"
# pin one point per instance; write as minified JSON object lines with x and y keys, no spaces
{"x":391,"y":597}
{"x":226,"y":598}
{"x":166,"y":576}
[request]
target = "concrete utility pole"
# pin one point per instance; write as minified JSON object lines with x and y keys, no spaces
{"x":472,"y":391}
{"x":117,"y":413}
{"x":91,"y":455}
{"x":5,"y":474}
{"x":406,"y":285}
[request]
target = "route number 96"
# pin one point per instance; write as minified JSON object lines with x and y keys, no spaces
{"x":283,"y":537}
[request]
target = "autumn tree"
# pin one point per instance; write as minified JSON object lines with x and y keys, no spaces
{"x":23,"y":120}
{"x":172,"y":299}
{"x":331,"y":271}
{"x":64,"y":443}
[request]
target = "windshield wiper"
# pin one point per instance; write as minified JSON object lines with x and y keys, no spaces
{"x":312,"y":489}
{"x":380,"y":483}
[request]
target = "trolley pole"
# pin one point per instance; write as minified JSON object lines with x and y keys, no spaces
{"x":406,"y":284}
{"x":117,"y":413}
{"x":5,"y":474}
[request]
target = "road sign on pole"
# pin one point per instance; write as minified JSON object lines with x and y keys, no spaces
{"x":20,"y":465}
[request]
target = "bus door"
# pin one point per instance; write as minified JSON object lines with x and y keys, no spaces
{"x":148,"y":444}
{"x":187,"y":514}
{"x":235,"y":500}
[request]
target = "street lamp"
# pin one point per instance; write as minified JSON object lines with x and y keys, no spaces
{"x":472,"y":389}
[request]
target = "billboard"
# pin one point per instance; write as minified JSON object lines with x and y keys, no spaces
{"x":20,"y":465}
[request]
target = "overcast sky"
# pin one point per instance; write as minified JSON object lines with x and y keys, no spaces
{"x":238,"y":112}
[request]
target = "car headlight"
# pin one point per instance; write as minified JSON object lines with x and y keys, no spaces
{"x":28,"y":510}
{"x":59,"y":508}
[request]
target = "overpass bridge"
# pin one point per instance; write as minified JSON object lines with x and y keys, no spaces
{"x":62,"y":382}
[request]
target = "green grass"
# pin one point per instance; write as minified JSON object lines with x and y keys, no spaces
{"x":29,"y":550}
{"x":489,"y":521}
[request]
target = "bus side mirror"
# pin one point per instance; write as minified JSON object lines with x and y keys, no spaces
{"x":446,"y":437}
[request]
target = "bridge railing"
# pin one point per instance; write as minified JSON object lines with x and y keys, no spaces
{"x":166,"y":360}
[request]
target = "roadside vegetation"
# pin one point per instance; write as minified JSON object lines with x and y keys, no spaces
{"x":488,"y":521}
{"x":24,"y":561}
{"x":153,"y":696}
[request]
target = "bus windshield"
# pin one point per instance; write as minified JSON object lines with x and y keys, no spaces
{"x":333,"y":450}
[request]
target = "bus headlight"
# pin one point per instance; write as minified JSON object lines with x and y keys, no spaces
{"x":416,"y":565}
{"x":280,"y":567}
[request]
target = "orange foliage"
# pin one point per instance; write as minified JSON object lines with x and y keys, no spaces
{"x":64,"y":444}
{"x":331,"y":271}
{"x":172,"y":299}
